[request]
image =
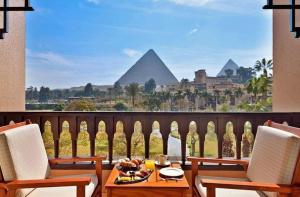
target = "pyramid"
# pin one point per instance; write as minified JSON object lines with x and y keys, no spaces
{"x":229,"y":65}
{"x":147,"y":67}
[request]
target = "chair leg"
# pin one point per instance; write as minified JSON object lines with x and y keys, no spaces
{"x":80,"y":191}
{"x":211,"y":192}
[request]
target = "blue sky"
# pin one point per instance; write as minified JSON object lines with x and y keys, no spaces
{"x":73,"y":42}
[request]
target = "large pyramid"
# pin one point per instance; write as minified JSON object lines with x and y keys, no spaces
{"x":149,"y":66}
{"x":229,"y":65}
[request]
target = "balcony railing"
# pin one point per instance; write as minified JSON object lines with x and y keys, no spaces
{"x":166,"y":123}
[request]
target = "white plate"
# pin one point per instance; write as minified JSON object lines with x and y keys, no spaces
{"x":171,"y":172}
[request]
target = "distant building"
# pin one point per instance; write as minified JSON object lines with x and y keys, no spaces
{"x":221,"y":82}
{"x":150,"y":66}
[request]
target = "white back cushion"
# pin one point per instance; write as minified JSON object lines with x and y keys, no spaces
{"x":22,"y":154}
{"x":274,"y":156}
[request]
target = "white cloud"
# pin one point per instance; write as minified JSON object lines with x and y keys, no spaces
{"x":96,"y":2}
{"x":49,"y":58}
{"x":193,"y":31}
{"x":132,"y":52}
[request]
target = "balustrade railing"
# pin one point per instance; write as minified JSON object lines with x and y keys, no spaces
{"x":147,"y":134}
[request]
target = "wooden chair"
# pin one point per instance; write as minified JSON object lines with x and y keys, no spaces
{"x":26,"y":168}
{"x":274,"y":168}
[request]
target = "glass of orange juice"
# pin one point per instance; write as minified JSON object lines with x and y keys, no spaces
{"x":150,"y":165}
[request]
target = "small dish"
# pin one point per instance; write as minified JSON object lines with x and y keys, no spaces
{"x":171,"y":173}
{"x":166,"y":164}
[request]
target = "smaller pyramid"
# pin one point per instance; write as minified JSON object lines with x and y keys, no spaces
{"x":150,"y":66}
{"x":229,"y":65}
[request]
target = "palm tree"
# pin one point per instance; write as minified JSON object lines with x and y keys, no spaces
{"x":228,"y":93}
{"x":132,"y":91}
{"x":178,"y":97}
{"x":238,"y":92}
{"x":264,"y":84}
{"x":253,"y":88}
{"x":264,"y":65}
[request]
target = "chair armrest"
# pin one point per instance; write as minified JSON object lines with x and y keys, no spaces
{"x":219,"y":161}
{"x":3,"y":186}
{"x":244,"y":185}
{"x":97,"y":159}
{"x":76,"y":159}
{"x":55,"y":182}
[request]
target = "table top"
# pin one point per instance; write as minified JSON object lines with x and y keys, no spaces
{"x":154,"y":181}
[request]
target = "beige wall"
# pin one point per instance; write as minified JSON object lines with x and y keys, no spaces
{"x":286,"y":55}
{"x":12,"y":63}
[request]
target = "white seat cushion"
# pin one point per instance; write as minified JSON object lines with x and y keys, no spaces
{"x":66,"y":191}
{"x":274,"y":157}
{"x":226,"y":192}
{"x":23,"y":155}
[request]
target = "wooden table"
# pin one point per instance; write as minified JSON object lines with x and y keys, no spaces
{"x":151,"y":188}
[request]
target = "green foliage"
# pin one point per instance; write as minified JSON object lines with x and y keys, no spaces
{"x":132,"y":90}
{"x":245,"y":74}
{"x":81,"y":105}
{"x":120,"y":107}
{"x":225,"y":107}
{"x":118,"y":90}
{"x":265,"y":66}
{"x":150,"y":86}
{"x":59,"y":107}
{"x":44,"y":94}
{"x":88,"y":90}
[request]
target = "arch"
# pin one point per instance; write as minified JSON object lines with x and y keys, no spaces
{"x":192,"y":140}
{"x":174,"y":143}
{"x":156,"y":141}
{"x":211,"y":141}
{"x":48,"y":139}
{"x":137,"y":141}
{"x":65,"y":141}
{"x":119,"y":142}
{"x":101,"y":141}
{"x":229,"y":141}
{"x":83,"y":140}
{"x":247,"y":140}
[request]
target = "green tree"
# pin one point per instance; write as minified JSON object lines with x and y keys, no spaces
{"x":81,"y":105}
{"x":245,"y":74}
{"x":44,"y":94}
{"x":118,"y":90}
{"x":132,"y":90}
{"x":120,"y":107}
{"x":253,"y":89}
{"x":150,"y":86}
{"x":264,"y":65}
{"x":88,"y":90}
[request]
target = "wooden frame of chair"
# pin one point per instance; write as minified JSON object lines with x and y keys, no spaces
{"x":292,"y":190}
{"x":8,"y":189}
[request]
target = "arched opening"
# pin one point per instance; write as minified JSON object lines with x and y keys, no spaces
{"x":65,"y":141}
{"x":192,"y":140}
{"x":247,"y":140}
{"x":48,"y":139}
{"x":119,"y":142}
{"x":211,"y":141}
{"x":137,"y":141}
{"x":156,"y":141}
{"x":174,"y":143}
{"x":101,"y":142}
{"x":83,"y":140}
{"x":229,"y":142}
